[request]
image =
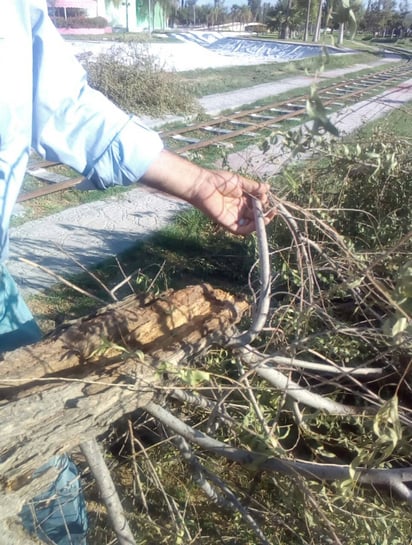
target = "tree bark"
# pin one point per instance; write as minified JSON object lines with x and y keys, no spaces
{"x":307,"y":21}
{"x":72,"y":386}
{"x":341,"y":33}
{"x":129,"y":325}
{"x":316,"y":34}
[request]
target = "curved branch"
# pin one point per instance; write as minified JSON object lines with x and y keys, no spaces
{"x":391,"y":478}
{"x":291,"y":388}
{"x":262,"y":310}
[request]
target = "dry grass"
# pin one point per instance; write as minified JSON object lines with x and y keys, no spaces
{"x":133,"y":79}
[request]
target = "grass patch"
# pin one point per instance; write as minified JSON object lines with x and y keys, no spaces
{"x":397,"y":123}
{"x":190,"y":250}
{"x":225,"y":79}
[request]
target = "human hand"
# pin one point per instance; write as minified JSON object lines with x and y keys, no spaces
{"x":227,"y":198}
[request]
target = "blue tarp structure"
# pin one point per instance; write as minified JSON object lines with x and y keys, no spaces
{"x":269,"y":49}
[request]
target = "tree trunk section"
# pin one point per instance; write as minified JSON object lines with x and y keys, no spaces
{"x":75,"y":384}
{"x":341,"y":33}
{"x":126,"y":326}
{"x":316,"y":35}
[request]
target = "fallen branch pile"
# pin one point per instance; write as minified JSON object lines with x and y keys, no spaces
{"x":73,"y":385}
{"x":151,"y":355}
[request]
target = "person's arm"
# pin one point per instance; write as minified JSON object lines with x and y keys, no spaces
{"x":79,"y":127}
{"x":224,"y":196}
{"x":76,"y":125}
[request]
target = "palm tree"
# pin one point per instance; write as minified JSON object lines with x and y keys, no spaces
{"x":316,"y":34}
{"x":344,"y":16}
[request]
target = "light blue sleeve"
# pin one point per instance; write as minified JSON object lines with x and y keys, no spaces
{"x":77,"y":125}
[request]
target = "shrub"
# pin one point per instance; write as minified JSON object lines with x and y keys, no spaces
{"x":80,"y":22}
{"x":356,"y":199}
{"x":365,"y":183}
{"x":133,"y":79}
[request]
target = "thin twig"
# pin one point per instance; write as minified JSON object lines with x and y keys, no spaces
{"x":199,"y":472}
{"x":171,"y":504}
{"x":252,"y":398}
{"x":321,"y":367}
{"x":62,"y":279}
{"x":153,"y":282}
{"x":126,"y":279}
{"x":135,"y":468}
{"x":89,"y":273}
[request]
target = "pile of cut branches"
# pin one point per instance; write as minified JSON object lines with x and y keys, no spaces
{"x":295,"y":426}
{"x":296,"y":429}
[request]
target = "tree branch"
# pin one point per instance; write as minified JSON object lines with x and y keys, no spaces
{"x":262,"y":311}
{"x":391,"y":478}
{"x":255,"y":361}
{"x":198,"y":474}
{"x":101,"y":473}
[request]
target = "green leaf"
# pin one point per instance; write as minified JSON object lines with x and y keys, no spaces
{"x":387,"y":425}
{"x":400,"y":326}
{"x":193,"y":377}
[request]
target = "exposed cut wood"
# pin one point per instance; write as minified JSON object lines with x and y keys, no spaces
{"x":73,"y":385}
{"x":129,"y":324}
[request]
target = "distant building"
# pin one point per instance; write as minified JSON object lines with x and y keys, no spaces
{"x":131,"y":15}
{"x":75,"y":8}
{"x":134,"y":14}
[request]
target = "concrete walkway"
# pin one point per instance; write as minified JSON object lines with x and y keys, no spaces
{"x":92,"y":232}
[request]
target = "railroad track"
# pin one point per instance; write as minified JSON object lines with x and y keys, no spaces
{"x":246,"y":124}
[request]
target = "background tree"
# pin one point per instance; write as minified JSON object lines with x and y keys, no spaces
{"x":321,"y":10}
{"x":246,"y":15}
{"x":378,"y":16}
{"x":344,"y":16}
{"x":306,"y":13}
{"x":255,"y":7}
{"x":286,"y":17}
{"x":191,"y":6}
{"x":241,"y":15}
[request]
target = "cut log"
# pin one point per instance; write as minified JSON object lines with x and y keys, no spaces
{"x":73,"y":385}
{"x":125,"y":326}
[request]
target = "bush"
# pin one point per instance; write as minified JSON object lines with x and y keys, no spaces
{"x":80,"y":22}
{"x":130,"y":77}
{"x":372,"y":187}
{"x":356,"y":199}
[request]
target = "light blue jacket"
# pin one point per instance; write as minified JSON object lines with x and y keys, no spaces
{"x":46,"y":104}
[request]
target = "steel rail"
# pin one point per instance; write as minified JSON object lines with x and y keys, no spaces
{"x":242,"y":113}
{"x":343,"y":93}
{"x":344,"y":97}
